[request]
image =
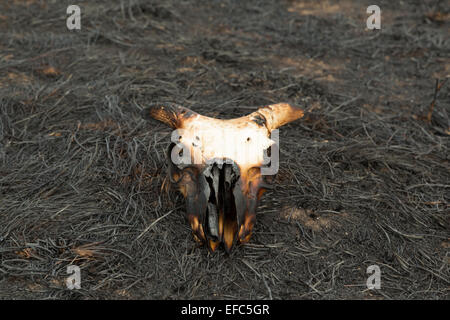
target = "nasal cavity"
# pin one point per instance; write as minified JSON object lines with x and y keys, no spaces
{"x":221,"y":219}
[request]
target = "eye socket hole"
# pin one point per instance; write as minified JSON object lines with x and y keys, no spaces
{"x":248,"y":139}
{"x":180,"y":153}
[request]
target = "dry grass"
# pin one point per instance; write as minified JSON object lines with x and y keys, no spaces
{"x":363,"y":179}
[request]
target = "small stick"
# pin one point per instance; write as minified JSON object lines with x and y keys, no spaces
{"x":436,"y":91}
{"x":153,"y":223}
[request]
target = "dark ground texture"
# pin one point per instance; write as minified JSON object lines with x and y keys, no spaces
{"x":364,"y":177}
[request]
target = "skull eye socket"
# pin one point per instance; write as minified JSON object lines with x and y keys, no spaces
{"x":248,"y":139}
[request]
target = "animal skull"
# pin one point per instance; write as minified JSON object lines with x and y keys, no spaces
{"x":218,"y":167}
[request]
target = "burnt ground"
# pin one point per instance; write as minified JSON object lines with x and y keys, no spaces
{"x":364,"y":176}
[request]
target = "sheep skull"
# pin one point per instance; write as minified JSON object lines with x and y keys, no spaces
{"x":219,"y":167}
